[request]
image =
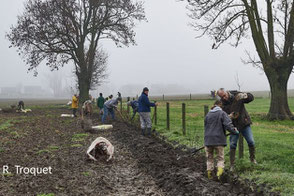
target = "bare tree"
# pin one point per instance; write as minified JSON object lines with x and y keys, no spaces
{"x":99,"y":73}
{"x":61,"y":31}
{"x":238,"y":82}
{"x":272,"y":31}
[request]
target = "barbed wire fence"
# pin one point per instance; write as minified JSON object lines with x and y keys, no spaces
{"x":181,"y":123}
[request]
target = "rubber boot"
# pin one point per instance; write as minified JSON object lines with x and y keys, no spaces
{"x":209,"y":174}
{"x":232,"y":159}
{"x":149,"y":131}
{"x":220,"y":172}
{"x":143,"y":132}
{"x":252,"y":155}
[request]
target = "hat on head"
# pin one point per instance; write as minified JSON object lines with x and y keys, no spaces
{"x":145,"y":89}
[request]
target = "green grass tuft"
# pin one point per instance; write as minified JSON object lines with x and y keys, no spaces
{"x":76,"y":145}
{"x":86,"y":173}
{"x":44,"y":194}
{"x":79,"y":137}
{"x":43,"y":151}
{"x":6,"y":125}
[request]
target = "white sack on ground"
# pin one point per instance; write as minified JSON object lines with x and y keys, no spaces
{"x":24,"y":111}
{"x":102,"y":127}
{"x":67,"y":115}
{"x":109,"y":148}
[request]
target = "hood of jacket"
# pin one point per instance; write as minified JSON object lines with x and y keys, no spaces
{"x":215,"y":109}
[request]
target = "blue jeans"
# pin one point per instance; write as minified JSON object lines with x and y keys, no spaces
{"x":107,"y":110}
{"x":247,"y":134}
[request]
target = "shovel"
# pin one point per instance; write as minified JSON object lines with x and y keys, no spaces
{"x":120,"y":115}
{"x":204,"y":146}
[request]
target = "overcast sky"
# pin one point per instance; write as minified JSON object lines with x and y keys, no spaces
{"x":166,"y":53}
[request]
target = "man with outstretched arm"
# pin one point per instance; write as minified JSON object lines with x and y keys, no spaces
{"x":233,"y":104}
{"x":144,"y":111}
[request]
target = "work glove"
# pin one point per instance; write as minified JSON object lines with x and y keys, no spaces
{"x":241,"y":96}
{"x":236,"y":131}
{"x":234,"y":115}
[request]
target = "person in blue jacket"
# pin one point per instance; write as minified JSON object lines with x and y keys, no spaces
{"x":144,"y":111}
{"x":134,"y":104}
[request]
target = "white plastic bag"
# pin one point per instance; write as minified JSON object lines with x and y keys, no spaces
{"x":110,"y":148}
{"x":67,"y":115}
{"x":102,"y":127}
{"x":24,"y":110}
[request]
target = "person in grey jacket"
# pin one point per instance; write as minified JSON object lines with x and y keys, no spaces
{"x":216,"y":123}
{"x":109,"y":107}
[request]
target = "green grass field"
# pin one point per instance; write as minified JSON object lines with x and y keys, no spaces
{"x":274,"y":140}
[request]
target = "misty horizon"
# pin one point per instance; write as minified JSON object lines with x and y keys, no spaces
{"x":166,"y":54}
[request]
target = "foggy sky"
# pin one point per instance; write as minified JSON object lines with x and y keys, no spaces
{"x":166,"y":53}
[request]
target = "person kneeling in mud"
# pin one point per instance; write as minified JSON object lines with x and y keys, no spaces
{"x":216,"y":123}
{"x":20,"y":106}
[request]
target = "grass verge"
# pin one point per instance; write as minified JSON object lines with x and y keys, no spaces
{"x":274,"y":141}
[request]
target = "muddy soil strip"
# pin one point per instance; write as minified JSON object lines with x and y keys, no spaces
{"x":175,"y":171}
{"x":47,"y":141}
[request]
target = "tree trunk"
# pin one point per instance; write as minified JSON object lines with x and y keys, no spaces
{"x":84,"y":88}
{"x":278,"y":80}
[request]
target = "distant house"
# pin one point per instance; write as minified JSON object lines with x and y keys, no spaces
{"x":10,"y":91}
{"x":33,"y":90}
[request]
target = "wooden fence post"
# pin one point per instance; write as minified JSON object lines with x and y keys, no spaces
{"x":167,"y":116}
{"x":184,"y":118}
{"x":155,"y":115}
{"x":163,"y":97}
{"x":205,"y":110}
{"x":241,"y":146}
{"x":128,"y":107}
{"x":121,"y":108}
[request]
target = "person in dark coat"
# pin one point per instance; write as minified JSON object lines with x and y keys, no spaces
{"x":100,"y":103}
{"x":144,"y":111}
{"x":135,"y":106}
{"x":216,"y":123}
{"x":20,"y":105}
{"x":233,"y":103}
